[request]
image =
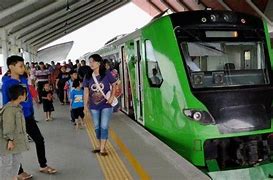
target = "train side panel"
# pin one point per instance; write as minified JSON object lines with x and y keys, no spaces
{"x":164,"y":105}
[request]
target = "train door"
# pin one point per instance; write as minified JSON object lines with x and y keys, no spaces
{"x":126,"y":97}
{"x":249,"y":53}
{"x":139,"y":82}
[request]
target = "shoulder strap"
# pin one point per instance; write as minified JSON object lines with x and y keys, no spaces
{"x":98,"y":86}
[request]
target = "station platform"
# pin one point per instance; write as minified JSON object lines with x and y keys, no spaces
{"x":134,"y":153}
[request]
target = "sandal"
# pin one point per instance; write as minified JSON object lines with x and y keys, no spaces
{"x":48,"y":170}
{"x":24,"y":176}
{"x":96,"y":151}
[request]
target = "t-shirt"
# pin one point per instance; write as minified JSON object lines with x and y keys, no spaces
{"x":47,"y":94}
{"x":42,"y":75}
{"x":96,"y":99}
{"x":69,"y":85}
{"x":7,"y":83}
{"x":77,"y":98}
{"x":63,"y":77}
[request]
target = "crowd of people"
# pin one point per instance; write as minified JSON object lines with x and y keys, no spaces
{"x":80,"y":86}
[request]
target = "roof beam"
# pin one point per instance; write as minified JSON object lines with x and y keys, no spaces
{"x":169,"y":6}
{"x":49,"y":18}
{"x":60,"y":22}
{"x":253,"y":6}
{"x":185,"y":5}
{"x":34,"y":14}
{"x":192,"y":5}
{"x":155,"y":6}
{"x":78,"y":24}
{"x":224,"y":5}
{"x":64,"y":23}
{"x":17,"y":7}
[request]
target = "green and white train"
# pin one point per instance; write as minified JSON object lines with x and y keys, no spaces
{"x":202,"y":82}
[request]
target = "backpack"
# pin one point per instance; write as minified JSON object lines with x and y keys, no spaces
{"x":118,"y":91}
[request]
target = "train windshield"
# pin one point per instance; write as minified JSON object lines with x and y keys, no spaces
{"x":225,"y":64}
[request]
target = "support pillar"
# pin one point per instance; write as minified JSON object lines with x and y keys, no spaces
{"x":13,"y":46}
{"x":5,"y":49}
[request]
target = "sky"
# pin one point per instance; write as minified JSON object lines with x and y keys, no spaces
{"x":94,"y":35}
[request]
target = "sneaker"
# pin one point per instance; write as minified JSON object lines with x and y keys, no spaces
{"x":48,"y":170}
{"x":24,"y":176}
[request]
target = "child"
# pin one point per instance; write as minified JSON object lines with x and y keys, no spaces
{"x":14,"y":140}
{"x":15,"y":76}
{"x":47,"y":99}
{"x":69,"y":87}
{"x":69,"y":83}
{"x":76,"y":103}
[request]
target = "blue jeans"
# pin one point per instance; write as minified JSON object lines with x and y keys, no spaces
{"x":101,"y":122}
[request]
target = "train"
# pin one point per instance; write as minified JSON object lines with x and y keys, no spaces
{"x":201,"y":81}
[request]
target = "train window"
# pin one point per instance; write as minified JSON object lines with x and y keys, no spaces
{"x":224,"y":64}
{"x":247,"y":57}
{"x":153,"y":71}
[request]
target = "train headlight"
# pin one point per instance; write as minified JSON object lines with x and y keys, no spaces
{"x":243,"y":21}
{"x":213,"y":18}
{"x":203,"y":19}
{"x":197,"y":116}
{"x":228,"y":18}
{"x":202,"y":117}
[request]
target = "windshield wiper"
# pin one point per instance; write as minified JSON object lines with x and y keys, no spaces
{"x":198,"y":39}
{"x":210,"y":47}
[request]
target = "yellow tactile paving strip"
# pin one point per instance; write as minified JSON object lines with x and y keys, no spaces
{"x":130,"y":157}
{"x":112,"y":166}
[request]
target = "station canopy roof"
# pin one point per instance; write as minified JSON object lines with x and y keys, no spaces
{"x":39,"y":22}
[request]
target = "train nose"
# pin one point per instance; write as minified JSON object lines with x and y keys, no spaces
{"x":243,"y":118}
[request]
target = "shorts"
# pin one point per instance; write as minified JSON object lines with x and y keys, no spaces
{"x":78,"y":112}
{"x":9,"y":165}
{"x":48,"y":106}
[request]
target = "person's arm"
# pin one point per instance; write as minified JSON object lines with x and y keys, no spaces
{"x":56,"y":84}
{"x":85,"y":99}
{"x":71,"y":97}
{"x":80,"y":72}
{"x":65,"y":96}
{"x":5,"y":97}
{"x":9,"y":123}
{"x":113,"y":91}
{"x":113,"y":82}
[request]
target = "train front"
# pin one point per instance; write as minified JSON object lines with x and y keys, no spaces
{"x":227,"y":61}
